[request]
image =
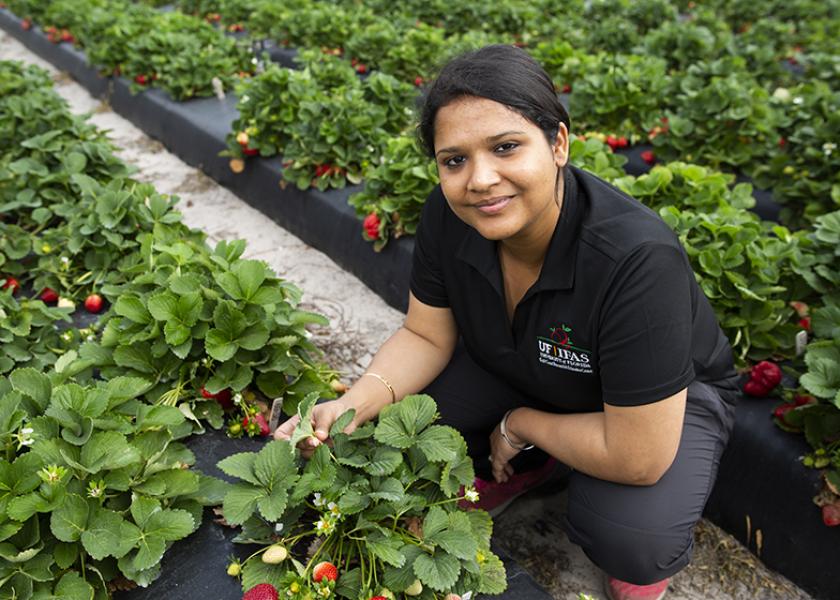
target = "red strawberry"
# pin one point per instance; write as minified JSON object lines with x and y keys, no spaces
{"x":371,"y":225}
{"x":622,"y":142}
{"x":262,"y":591}
{"x":754,"y":388}
{"x":223,"y":397}
{"x":66,"y":36}
{"x":322,"y":170}
{"x":260,"y":420}
{"x":236,"y":27}
{"x":250,"y":151}
{"x":805,"y":323}
{"x":378,"y":598}
{"x":361,"y":68}
{"x":612,"y":142}
{"x":418,"y":81}
{"x":93,"y":303}
{"x":26,"y":24}
{"x":648,"y":156}
{"x":141,"y":79}
{"x":782,"y":142}
{"x":803,"y":399}
{"x":12,"y":284}
{"x":780,"y":411}
{"x":831,"y":514}
{"x":566,"y":89}
{"x":324,"y":570}
{"x":49,"y":295}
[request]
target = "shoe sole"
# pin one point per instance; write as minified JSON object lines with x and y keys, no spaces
{"x":558,"y":468}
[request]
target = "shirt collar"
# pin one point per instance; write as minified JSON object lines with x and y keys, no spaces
{"x":558,"y":270}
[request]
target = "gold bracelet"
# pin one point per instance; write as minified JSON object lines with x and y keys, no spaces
{"x":503,"y":430}
{"x":387,"y":385}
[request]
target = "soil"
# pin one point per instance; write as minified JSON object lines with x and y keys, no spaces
{"x":360,"y":322}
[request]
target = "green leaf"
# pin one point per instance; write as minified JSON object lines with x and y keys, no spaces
{"x":150,"y":551}
{"x":122,"y":388}
{"x":255,"y":572}
{"x":250,"y":274}
{"x":241,"y":466}
{"x":65,"y":554}
{"x":108,"y":450}
{"x":438,"y":443}
{"x":108,"y":534}
{"x":272,"y":504}
{"x":439,"y":572}
{"x":274,"y":463}
{"x":170,"y":524}
{"x":163,"y":306}
{"x":131,"y":307}
{"x":493,"y":577}
{"x":33,"y":384}
{"x":304,"y":427}
{"x":219,"y":345}
{"x":398,"y":579}
{"x":73,"y":587}
{"x":240,"y":503}
{"x":342,"y":422}
{"x":69,"y":520}
{"x":383,"y":461}
{"x":400,"y":423}
{"x":387,"y":549}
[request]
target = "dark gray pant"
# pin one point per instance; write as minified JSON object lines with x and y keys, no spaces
{"x":639,"y":534}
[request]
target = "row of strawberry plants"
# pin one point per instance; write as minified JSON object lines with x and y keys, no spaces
{"x":184,"y":56}
{"x":702,"y":109}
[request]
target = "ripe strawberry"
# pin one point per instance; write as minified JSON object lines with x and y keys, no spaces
{"x":49,"y":295}
{"x":236,"y":27}
{"x":26,"y":24}
{"x":262,"y":591}
{"x":831,"y":514}
{"x":378,"y":598}
{"x":322,"y":170}
{"x":648,"y":156}
{"x":275,"y":554}
{"x":12,"y":284}
{"x":93,"y":303}
{"x":612,"y":142}
{"x":566,"y":89}
{"x":782,"y":142}
{"x":780,"y":411}
{"x":66,"y":36}
{"x":141,"y":79}
{"x":418,"y":81}
{"x":371,"y":225}
{"x":801,"y":400}
{"x":805,"y":323}
{"x":622,"y":142}
{"x":361,"y":68}
{"x":260,"y":420}
{"x":250,"y":151}
{"x":324,"y":570}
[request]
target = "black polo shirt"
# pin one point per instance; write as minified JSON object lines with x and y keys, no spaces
{"x":616,"y":315}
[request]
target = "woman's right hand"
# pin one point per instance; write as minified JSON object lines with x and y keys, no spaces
{"x":323,"y":416}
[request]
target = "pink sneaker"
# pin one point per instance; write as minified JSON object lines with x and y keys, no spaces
{"x":496,"y":497}
{"x":621,"y":590}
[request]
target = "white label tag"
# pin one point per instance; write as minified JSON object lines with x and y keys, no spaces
{"x":801,"y":342}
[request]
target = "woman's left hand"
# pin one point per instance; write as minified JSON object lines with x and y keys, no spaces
{"x":501,"y":453}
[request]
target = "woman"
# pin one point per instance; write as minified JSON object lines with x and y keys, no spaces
{"x":584,"y":333}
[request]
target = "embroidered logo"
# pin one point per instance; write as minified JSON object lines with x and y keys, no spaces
{"x":559,"y":350}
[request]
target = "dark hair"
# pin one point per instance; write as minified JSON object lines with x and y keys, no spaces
{"x":505,"y":74}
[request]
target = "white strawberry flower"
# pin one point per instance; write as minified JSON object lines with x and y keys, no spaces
{"x":278,"y":527}
{"x":471,"y":495}
{"x":24,"y":437}
{"x":237,"y":398}
{"x":828,"y":148}
{"x":317,"y":500}
{"x":333,"y":508}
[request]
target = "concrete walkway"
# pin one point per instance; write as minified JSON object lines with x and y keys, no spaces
{"x":530,"y":529}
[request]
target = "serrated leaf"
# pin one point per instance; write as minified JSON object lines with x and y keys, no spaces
{"x":255,"y":572}
{"x":493,"y":576}
{"x":71,"y":586}
{"x":400,"y":423}
{"x":439,"y":572}
{"x":106,"y":535}
{"x":240,"y":503}
{"x":33,"y":384}
{"x":386,"y":549}
{"x":170,"y":524}
{"x":69,"y":520}
{"x":240,"y":466}
{"x":272,"y":504}
{"x":438,"y":443}
{"x":342,"y":422}
{"x":250,"y":275}
{"x":132,"y":308}
{"x":122,"y":388}
{"x":163,"y":306}
{"x":383,"y":461}
{"x":108,"y":450}
{"x":274,"y":464}
{"x":304,"y":427}
{"x":390,"y":490}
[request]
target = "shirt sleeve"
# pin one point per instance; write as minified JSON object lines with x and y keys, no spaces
{"x":427,"y":282}
{"x":646,"y":322}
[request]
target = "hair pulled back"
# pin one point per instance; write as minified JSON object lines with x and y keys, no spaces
{"x":502,"y":73}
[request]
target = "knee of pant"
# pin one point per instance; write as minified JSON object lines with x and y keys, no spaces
{"x":637,"y":556}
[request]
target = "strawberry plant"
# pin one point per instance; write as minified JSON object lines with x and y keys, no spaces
{"x":96,"y":484}
{"x":746,"y":268}
{"x":377,"y":510}
{"x":800,"y":162}
{"x":718,"y":117}
{"x":687,"y":186}
{"x":618,"y":93}
{"x":683,"y":44}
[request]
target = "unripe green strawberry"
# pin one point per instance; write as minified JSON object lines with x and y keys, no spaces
{"x":415,"y":589}
{"x":234,"y":569}
{"x":275,"y":554}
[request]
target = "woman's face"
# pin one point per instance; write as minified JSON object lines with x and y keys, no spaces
{"x":497,"y":169}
